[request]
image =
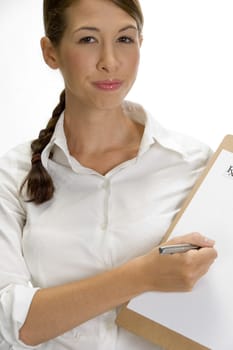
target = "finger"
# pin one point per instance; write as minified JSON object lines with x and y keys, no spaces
{"x":208,"y":256}
{"x":207,"y":253}
{"x":193,"y":238}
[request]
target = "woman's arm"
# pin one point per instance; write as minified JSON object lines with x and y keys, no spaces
{"x":57,"y":310}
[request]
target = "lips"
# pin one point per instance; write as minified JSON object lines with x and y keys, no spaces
{"x":108,"y":85}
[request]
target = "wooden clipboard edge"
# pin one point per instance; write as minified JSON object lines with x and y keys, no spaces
{"x":227,"y":144}
{"x":154,"y":332}
{"x":148,"y":329}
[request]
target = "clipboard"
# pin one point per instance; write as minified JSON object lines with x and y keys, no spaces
{"x":150,"y":328}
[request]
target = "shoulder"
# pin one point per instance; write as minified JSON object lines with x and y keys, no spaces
{"x":15,"y":164}
{"x":191,"y":148}
{"x":17,"y":155}
{"x":193,"y":151}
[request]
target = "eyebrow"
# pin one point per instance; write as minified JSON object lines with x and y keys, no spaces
{"x":98,"y":30}
{"x":128,"y":27}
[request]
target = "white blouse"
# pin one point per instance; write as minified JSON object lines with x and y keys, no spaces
{"x":92,"y":224}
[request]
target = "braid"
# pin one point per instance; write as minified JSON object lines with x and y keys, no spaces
{"x":40,"y":186}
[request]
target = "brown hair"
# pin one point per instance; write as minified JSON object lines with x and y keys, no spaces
{"x":39,"y":184}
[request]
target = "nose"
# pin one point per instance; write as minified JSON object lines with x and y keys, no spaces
{"x":108,"y":60}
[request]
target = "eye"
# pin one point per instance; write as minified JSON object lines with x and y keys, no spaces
{"x":126,"y":40}
{"x":87,"y":40}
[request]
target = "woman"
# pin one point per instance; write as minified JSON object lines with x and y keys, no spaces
{"x":84,"y":207}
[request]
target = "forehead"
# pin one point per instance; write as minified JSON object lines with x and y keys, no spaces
{"x":98,"y":13}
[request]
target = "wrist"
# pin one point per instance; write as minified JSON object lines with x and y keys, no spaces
{"x":138,"y":269}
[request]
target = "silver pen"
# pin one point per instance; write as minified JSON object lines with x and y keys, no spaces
{"x":177,"y":248}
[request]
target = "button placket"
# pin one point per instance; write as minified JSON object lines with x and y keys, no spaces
{"x":106,"y":188}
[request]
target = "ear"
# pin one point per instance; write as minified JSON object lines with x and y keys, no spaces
{"x":49,"y":53}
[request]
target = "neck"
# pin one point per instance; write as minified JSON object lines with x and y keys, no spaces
{"x":97,"y":131}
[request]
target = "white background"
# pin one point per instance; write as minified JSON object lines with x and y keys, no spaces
{"x":185,"y":77}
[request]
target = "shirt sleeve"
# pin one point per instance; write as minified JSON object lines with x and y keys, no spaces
{"x":16,"y":290}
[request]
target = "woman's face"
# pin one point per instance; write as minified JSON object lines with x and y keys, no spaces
{"x":99,"y":53}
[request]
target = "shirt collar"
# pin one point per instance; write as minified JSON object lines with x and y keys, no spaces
{"x":57,"y":145}
{"x":154,"y":132}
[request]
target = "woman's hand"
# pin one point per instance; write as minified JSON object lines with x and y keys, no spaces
{"x":180,"y":271}
{"x":76,"y":302}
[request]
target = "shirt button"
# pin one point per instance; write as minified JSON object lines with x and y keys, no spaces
{"x":106,"y":184}
{"x":103,"y":226}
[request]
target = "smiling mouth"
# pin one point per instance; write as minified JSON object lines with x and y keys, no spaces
{"x":108,"y":85}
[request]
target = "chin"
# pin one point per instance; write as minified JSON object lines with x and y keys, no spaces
{"x":108,"y":103}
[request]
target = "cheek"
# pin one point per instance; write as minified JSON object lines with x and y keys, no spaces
{"x":133,"y":69}
{"x":132,"y":62}
{"x":77,"y":63}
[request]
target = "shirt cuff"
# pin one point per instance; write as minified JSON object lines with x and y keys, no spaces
{"x":15,"y":301}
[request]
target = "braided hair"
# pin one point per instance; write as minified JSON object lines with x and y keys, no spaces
{"x":40,"y":186}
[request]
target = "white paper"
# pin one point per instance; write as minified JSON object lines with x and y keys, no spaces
{"x":204,"y":315}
